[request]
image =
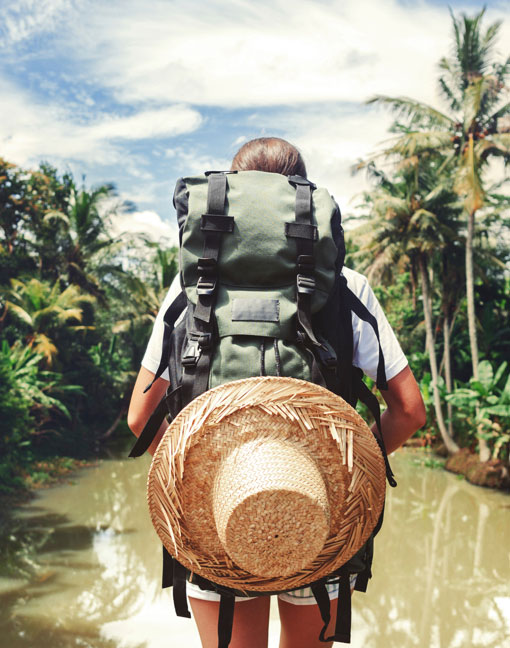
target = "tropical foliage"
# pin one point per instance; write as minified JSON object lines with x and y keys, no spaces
{"x":441,"y":202}
{"x":77,"y":304}
{"x":73,"y":319}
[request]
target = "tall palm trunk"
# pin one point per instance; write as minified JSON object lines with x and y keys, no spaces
{"x":450,"y":444}
{"x":447,"y":368}
{"x":483,"y":448}
{"x":470,"y":294}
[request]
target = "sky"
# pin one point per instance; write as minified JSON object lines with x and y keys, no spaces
{"x":139,"y":93}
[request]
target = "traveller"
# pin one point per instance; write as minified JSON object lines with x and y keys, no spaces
{"x":299,"y":614}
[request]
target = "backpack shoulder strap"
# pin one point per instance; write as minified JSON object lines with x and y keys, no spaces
{"x":170,"y":402}
{"x":169,"y":319}
{"x":360,"y":391}
{"x":198,"y":355}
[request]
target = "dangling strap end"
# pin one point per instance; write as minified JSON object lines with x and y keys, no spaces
{"x":225,"y":619}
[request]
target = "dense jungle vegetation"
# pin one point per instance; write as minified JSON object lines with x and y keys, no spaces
{"x":77,"y":303}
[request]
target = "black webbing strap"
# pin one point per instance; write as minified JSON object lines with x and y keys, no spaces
{"x":362,"y":579}
{"x":168,"y":569}
{"x":317,"y":375}
{"x":198,"y":354}
{"x":369,"y":399}
{"x":322,"y":598}
{"x":305,"y":233}
{"x":179,"y":591}
{"x":225,"y":619}
{"x":169,"y":319}
{"x":359,"y":309}
{"x":167,"y":405}
{"x":343,"y":611}
{"x":207,"y":264}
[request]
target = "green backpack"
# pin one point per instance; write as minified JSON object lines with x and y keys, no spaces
{"x":261,"y":256}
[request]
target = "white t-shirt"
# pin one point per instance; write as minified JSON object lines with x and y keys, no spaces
{"x":365,"y":347}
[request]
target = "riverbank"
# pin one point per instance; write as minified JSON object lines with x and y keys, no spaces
{"x":494,"y":473}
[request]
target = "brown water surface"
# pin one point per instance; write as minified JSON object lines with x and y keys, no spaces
{"x":80,"y":566}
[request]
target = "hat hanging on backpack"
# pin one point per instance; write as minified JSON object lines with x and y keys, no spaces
{"x":266,"y":484}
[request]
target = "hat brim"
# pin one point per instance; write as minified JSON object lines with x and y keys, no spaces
{"x":183,"y":470}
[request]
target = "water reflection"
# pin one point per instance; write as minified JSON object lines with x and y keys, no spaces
{"x":82,"y":567}
{"x":442,"y":566}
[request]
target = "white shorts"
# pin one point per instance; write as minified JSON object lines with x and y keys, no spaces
{"x":302,"y":596}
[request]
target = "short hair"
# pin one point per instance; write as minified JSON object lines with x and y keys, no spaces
{"x":271,"y":154}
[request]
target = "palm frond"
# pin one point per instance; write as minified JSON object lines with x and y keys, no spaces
{"x":54,"y":214}
{"x":418,"y":142}
{"x":19,"y":312}
{"x":414,"y":110}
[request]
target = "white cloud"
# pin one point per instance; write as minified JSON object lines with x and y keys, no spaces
{"x":240,"y":53}
{"x":148,"y":223}
{"x":23,"y":18}
{"x":31,"y":129}
{"x":192,"y":161}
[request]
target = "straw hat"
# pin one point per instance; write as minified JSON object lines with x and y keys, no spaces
{"x":266,"y":484}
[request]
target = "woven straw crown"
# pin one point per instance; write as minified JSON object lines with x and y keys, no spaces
{"x":266,"y":484}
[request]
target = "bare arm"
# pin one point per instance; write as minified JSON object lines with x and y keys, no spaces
{"x":142,"y":405}
{"x":406,"y":411}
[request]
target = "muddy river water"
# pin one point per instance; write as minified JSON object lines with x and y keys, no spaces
{"x":81,"y":567}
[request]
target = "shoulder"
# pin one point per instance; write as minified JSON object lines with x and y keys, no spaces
{"x":357,"y":283}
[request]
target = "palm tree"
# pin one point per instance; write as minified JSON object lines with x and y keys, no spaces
{"x":85,"y":225}
{"x":473,"y":131}
{"x":44,"y":309}
{"x":410,"y":224}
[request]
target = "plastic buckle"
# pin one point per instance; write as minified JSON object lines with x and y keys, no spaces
{"x":305,"y":263}
{"x":305,"y":284}
{"x":206,"y":285}
{"x":206,"y":266}
{"x":192,"y":354}
{"x":204,"y":340}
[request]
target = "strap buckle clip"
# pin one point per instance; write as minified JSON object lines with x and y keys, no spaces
{"x":305,"y":284}
{"x":192,"y":354}
{"x":197,"y":343}
{"x":305,"y":264}
{"x":206,"y":285}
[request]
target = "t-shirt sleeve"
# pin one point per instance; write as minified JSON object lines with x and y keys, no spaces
{"x":365,"y":346}
{"x":152,"y":355}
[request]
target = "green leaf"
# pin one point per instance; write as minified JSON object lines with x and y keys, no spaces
{"x":485,"y":373}
{"x":500,"y":371}
{"x":502,"y":411}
